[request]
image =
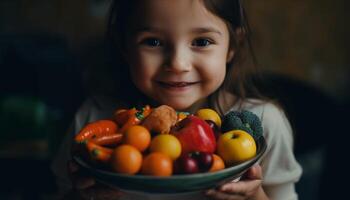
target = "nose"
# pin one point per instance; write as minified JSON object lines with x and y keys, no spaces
{"x":178,"y":60}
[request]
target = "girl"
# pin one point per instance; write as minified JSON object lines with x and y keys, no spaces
{"x":188,"y":54}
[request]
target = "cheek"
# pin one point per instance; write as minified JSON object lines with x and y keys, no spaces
{"x":143,"y":67}
{"x":214,"y":67}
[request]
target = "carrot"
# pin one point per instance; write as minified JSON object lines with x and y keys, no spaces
{"x":96,"y":129}
{"x":98,"y":153}
{"x":108,"y":140}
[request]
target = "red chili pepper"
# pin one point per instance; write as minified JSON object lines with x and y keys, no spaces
{"x":98,"y":153}
{"x":108,"y":140}
{"x":96,"y":129}
{"x":133,"y":119}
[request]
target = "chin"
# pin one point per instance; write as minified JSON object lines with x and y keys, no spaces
{"x":177,"y":105}
{"x":183,"y":105}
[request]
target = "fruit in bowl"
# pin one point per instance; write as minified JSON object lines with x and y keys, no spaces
{"x":167,"y":144}
{"x":179,"y":148}
{"x":194,"y":162}
{"x":126,"y":159}
{"x":236,"y":146}
{"x":157,"y":164}
{"x":177,"y":182}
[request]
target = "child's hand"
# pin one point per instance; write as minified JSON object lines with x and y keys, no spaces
{"x":249,"y":187}
{"x":87,"y":188}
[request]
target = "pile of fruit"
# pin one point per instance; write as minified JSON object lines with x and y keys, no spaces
{"x":162,"y":142}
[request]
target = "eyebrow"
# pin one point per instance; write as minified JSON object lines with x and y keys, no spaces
{"x":199,"y":30}
{"x":206,"y":30}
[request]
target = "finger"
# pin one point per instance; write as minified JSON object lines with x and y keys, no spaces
{"x":218,"y":195}
{"x":255,"y":172}
{"x":245,"y":187}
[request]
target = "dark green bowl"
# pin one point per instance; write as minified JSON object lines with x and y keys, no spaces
{"x":174,"y":183}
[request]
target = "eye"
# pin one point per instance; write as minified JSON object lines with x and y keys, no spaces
{"x":152,"y":42}
{"x":201,"y":42}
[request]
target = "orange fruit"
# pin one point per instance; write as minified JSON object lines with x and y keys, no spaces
{"x":218,"y":164}
{"x":209,"y":114}
{"x":126,"y":159}
{"x":137,"y":136}
{"x":157,"y":164}
{"x":167,"y":144}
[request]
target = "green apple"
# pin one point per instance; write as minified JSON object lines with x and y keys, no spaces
{"x":236,"y":146}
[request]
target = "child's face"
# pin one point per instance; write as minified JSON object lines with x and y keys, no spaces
{"x":177,"y":51}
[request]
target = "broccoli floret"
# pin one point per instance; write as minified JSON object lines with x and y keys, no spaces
{"x":244,"y":120}
{"x":231,"y":120}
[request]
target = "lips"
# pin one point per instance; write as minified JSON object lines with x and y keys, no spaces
{"x":177,"y":84}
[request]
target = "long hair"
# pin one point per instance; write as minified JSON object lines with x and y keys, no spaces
{"x":242,"y":71}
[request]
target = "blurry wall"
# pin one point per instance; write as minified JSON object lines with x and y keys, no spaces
{"x":77,"y":20}
{"x":306,"y":39}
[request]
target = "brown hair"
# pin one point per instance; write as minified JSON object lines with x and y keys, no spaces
{"x":241,"y":70}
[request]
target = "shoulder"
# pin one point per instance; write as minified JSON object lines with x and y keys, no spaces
{"x":267,"y":111}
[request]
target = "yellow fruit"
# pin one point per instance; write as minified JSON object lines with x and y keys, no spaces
{"x":209,"y":114}
{"x":167,"y":144}
{"x":236,"y":146}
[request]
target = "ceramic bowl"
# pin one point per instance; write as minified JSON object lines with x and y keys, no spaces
{"x":174,"y":183}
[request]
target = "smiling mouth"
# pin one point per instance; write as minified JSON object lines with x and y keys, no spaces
{"x":177,"y":84}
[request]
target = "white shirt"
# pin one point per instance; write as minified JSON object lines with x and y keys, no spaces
{"x":279,"y":166}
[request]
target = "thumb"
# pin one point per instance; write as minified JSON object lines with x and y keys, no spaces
{"x":254,"y":172}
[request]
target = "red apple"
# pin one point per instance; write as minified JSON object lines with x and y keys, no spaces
{"x":195,"y":134}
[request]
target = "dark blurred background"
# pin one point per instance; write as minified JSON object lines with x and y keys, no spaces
{"x":46,"y":45}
